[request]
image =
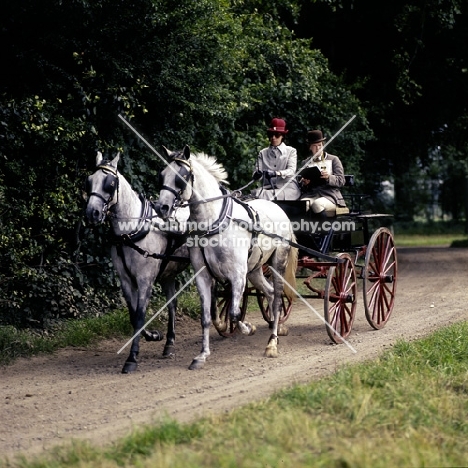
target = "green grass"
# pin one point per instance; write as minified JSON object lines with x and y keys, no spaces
{"x":425,"y":234}
{"x":16,"y":343}
{"x":407,"y":408}
{"x":437,"y":240}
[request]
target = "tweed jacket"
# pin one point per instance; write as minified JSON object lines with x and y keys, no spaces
{"x":331,"y":189}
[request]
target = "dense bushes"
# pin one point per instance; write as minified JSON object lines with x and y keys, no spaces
{"x":202,"y":74}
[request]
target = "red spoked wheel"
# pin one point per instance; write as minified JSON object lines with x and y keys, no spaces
{"x":285,"y":310}
{"x":380,"y":278}
{"x":223,"y":303}
{"x":340,"y":299}
{"x":285,"y":306}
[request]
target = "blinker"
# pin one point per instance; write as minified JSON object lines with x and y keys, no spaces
{"x":110,"y":184}
{"x":182,"y":177}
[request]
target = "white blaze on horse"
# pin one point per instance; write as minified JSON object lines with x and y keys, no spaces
{"x":227,"y":238}
{"x":141,"y":252}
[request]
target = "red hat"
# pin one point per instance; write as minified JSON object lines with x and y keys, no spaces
{"x":278,"y":125}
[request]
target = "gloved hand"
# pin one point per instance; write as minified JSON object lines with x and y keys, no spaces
{"x":269,"y":174}
{"x":257,"y":175}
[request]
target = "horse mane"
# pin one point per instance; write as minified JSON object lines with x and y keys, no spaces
{"x":212,"y":166}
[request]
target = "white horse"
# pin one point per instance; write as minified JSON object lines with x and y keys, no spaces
{"x":141,"y":252}
{"x":228,"y":240}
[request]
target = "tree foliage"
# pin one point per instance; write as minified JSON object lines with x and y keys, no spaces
{"x":410,"y":58}
{"x":210,"y":74}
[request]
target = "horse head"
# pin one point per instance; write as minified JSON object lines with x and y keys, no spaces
{"x":102,"y":189}
{"x":175,"y":181}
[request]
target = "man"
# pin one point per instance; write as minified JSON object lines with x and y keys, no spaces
{"x":322,"y":178}
{"x":276,"y":166}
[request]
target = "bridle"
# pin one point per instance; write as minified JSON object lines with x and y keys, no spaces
{"x":110,"y":186}
{"x":182,"y":178}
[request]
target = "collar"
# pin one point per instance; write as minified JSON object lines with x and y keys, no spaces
{"x":319,"y":158}
{"x":281,"y":147}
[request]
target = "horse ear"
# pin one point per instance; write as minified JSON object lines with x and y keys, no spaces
{"x":98,"y":158}
{"x":187,"y":152}
{"x":115,"y":161}
{"x":168,"y":153}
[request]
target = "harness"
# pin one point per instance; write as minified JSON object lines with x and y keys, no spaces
{"x":142,"y":230}
{"x":254,"y":228}
{"x":110,"y":186}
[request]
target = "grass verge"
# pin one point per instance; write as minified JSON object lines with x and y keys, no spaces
{"x":16,"y":343}
{"x":407,"y":408}
{"x":428,"y":234}
{"x":436,"y":240}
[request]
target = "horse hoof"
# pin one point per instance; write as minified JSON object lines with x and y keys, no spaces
{"x":246,"y":328}
{"x":154,"y":335}
{"x":283,"y":330}
{"x":220,"y":327}
{"x":169,"y":352}
{"x":129,"y":367}
{"x":271,"y":352}
{"x":196,"y":365}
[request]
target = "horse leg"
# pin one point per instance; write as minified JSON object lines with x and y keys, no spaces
{"x":237,"y":291}
{"x":130,"y":292}
{"x":272,"y":346}
{"x":205,"y":285}
{"x":221,"y":327}
{"x":137,"y":319}
{"x":137,"y":301}
{"x":168,"y":288}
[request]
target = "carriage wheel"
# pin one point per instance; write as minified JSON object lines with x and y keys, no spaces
{"x":285,"y":310}
{"x":340,"y":299}
{"x":380,"y":278}
{"x":223,"y":302}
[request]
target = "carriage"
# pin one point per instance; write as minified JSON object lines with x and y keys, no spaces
{"x":334,"y":254}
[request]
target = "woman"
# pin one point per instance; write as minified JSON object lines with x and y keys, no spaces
{"x":276,"y":166}
{"x":322,"y":178}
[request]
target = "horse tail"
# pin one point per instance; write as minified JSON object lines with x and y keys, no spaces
{"x":289,"y":287}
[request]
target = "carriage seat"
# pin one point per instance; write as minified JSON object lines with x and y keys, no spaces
{"x":297,"y":209}
{"x":349,"y":182}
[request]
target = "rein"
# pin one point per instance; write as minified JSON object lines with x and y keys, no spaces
{"x":235,"y":194}
{"x":254,"y":228}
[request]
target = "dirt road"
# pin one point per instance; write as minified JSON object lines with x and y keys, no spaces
{"x":80,"y":393}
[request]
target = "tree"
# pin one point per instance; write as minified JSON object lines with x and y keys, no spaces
{"x":409,"y":64}
{"x":209,"y":73}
